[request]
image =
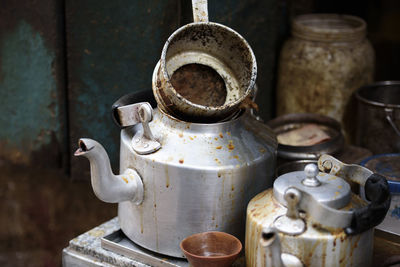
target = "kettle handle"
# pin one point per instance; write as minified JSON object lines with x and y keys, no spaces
{"x":129,"y":99}
{"x":126,"y":112}
{"x":200,"y":10}
{"x":376,"y":190}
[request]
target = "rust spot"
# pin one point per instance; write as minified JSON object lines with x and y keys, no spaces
{"x":220,"y":135}
{"x":126,"y":180}
{"x":191,"y":138}
{"x":236,"y":157}
{"x":155,"y":205}
{"x":231,"y":145}
{"x":216,"y":138}
{"x":180,"y":135}
{"x":219,"y":175}
{"x":218,"y":147}
{"x":181,"y":161}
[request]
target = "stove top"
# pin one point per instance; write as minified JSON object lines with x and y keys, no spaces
{"x":118,"y":243}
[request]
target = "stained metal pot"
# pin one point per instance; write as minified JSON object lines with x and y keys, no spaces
{"x":179,"y":178}
{"x":289,"y":122}
{"x":317,"y":218}
{"x":208,"y":44}
{"x":378,"y":117}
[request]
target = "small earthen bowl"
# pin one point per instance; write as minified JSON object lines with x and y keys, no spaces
{"x":211,"y":249}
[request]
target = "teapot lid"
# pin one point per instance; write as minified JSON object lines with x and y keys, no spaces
{"x":325,"y":188}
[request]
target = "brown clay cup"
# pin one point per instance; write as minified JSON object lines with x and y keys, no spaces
{"x":211,"y":249}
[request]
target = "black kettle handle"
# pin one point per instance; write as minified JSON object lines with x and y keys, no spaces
{"x":142,"y":96}
{"x":377,"y":191}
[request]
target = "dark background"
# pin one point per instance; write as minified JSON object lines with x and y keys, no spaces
{"x":62,"y":65}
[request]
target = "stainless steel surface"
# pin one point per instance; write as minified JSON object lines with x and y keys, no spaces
{"x":200,"y":10}
{"x":318,"y":246}
{"x":333,"y":191}
{"x":108,"y":187}
{"x":144,"y":142}
{"x":213,"y":45}
{"x":291,"y":223}
{"x":390,"y":118}
{"x":311,"y":171}
{"x":129,"y":114}
{"x":118,"y":243}
{"x":323,"y":240}
{"x":271,"y":254}
{"x":351,"y":172}
{"x":378,"y":118}
{"x":201,"y":180}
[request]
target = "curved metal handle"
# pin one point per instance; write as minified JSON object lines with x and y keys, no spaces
{"x":389,"y":118}
{"x":129,"y":99}
{"x":144,"y":142}
{"x":128,"y":113}
{"x":376,"y":191}
{"x":200,"y":10}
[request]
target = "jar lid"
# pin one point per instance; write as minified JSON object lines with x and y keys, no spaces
{"x":329,"y":27}
{"x":388,"y":166}
{"x":327,"y":189}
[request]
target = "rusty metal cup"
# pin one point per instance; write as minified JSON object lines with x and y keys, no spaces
{"x":213,"y":45}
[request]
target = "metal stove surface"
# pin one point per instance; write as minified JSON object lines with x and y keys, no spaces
{"x":117,"y":242}
{"x":106,"y":245}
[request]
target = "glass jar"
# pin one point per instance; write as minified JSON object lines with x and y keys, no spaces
{"x":327,"y":58}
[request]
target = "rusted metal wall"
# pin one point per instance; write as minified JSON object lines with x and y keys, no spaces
{"x":32,"y":84}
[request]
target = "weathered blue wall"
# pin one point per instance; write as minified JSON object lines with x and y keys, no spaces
{"x":62,"y":65}
{"x":32,"y":85}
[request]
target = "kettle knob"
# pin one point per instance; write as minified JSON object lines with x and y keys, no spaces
{"x":311,"y":171}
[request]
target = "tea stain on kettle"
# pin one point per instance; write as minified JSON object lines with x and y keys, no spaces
{"x":166,"y":177}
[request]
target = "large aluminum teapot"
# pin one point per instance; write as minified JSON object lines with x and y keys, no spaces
{"x":179,"y":178}
{"x":316,"y":217}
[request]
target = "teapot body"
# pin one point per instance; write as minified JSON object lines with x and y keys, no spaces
{"x":316,"y":246}
{"x":201,"y":179}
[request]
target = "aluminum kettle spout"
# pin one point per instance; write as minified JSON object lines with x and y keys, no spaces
{"x":107,"y":186}
{"x":271,"y":253}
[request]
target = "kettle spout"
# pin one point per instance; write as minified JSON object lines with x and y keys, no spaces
{"x":271,"y":248}
{"x":271,"y":251}
{"x":107,"y":186}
